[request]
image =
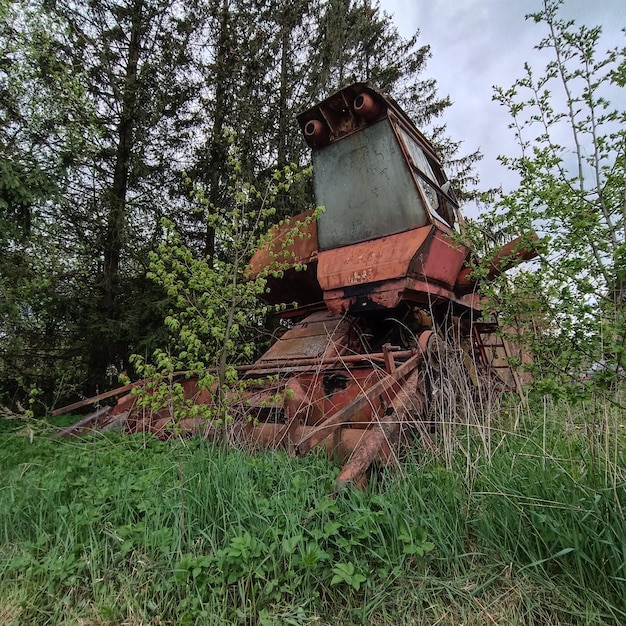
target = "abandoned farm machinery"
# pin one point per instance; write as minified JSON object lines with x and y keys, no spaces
{"x":387,"y":312}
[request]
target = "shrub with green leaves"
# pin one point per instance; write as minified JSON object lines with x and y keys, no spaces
{"x":572,"y":190}
{"x":217,"y":314}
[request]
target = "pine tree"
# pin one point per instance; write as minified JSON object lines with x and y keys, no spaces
{"x":138,"y":57}
{"x":45,"y":130}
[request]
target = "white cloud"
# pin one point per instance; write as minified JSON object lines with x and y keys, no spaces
{"x":480,"y":43}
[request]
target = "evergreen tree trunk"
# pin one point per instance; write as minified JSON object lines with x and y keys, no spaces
{"x":103,"y":352}
{"x":283,"y":107}
{"x":217,"y":152}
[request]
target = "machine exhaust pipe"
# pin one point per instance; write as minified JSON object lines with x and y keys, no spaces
{"x":366,"y":107}
{"x":316,"y":133}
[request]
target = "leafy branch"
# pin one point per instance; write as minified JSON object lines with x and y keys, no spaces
{"x":216,"y":314}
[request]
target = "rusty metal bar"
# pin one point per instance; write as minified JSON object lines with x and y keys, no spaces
{"x":352,"y":358}
{"x":335,"y":420}
{"x":103,"y":396}
{"x":390,"y":364}
{"x":257,"y":368}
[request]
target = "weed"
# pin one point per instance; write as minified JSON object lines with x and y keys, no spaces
{"x":528,"y":529}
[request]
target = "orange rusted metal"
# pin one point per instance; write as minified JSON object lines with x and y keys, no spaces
{"x":420,"y":265}
{"x":269,"y":435}
{"x":383,"y":259}
{"x":523,"y":248}
{"x":344,"y":415}
{"x":384,"y":434}
{"x":297,"y":260}
{"x":367,"y":450}
{"x":299,"y":250}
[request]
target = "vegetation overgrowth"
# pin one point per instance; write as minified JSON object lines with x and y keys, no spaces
{"x":508,"y":517}
{"x":130,"y":530}
{"x":568,"y":120}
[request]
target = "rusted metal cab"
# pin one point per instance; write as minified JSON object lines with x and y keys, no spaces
{"x":375,"y":173}
{"x":387,"y":233}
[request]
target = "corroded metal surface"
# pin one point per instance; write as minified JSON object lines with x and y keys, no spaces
{"x":322,"y":335}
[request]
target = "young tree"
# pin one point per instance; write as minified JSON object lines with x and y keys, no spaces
{"x":216,"y":317}
{"x":572,"y":171}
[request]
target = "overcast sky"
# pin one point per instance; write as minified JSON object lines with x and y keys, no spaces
{"x":476,"y":44}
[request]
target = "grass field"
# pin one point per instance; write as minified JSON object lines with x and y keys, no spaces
{"x":519,"y":523}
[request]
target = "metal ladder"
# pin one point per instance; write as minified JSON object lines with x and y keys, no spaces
{"x":495,"y":353}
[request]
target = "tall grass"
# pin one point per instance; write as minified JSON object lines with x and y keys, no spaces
{"x":518,"y":520}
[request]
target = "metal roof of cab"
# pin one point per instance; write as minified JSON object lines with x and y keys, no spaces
{"x":349,"y":110}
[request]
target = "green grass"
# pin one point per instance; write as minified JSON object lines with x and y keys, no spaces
{"x":520,"y":524}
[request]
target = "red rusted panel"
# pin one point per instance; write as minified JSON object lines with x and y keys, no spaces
{"x":383,"y":272}
{"x":371,"y":261}
{"x":391,"y":293}
{"x":386,"y":295}
{"x":319,"y":336}
{"x":293,"y":285}
{"x":302,"y":250}
{"x":439,"y":260}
